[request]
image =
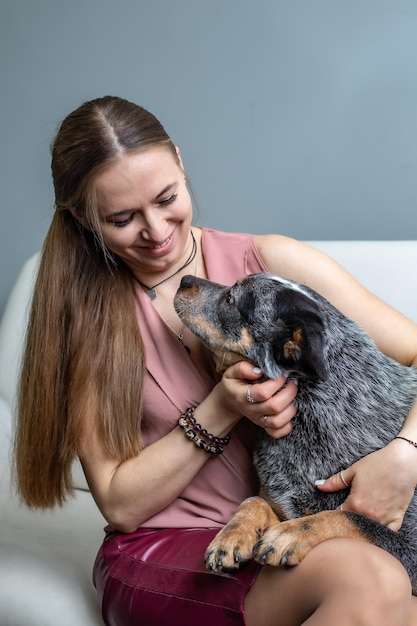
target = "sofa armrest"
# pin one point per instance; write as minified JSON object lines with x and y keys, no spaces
{"x":384,"y":267}
{"x":13,"y":327}
{"x":12,"y":333}
{"x":5,"y":448}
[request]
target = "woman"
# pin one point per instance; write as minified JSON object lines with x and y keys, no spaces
{"x":109,"y":369}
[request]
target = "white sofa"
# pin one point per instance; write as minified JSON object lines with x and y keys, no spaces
{"x":46,"y":558}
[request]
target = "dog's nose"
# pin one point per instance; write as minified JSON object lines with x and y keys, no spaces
{"x":188,"y":281}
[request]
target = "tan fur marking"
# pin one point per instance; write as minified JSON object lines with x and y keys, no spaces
{"x":287,"y":543}
{"x":292,"y":348}
{"x":223,"y":360}
{"x":218,"y":339}
{"x":225,"y":352}
{"x":298,"y":335}
{"x":255,"y":531}
{"x":234,"y":544}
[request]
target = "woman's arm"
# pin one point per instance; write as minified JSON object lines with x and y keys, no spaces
{"x":130,"y":492}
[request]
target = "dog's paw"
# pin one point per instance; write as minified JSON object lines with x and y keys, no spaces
{"x":231,"y":547}
{"x":286,"y":543}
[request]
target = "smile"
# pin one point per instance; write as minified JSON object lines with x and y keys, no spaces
{"x":163,"y":244}
{"x":158,"y":246}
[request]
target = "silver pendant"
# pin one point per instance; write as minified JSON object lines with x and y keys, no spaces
{"x":181,"y":338}
{"x":152,"y":293}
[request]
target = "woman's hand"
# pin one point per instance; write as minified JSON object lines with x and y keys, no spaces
{"x":269,"y":404}
{"x":382,"y":483}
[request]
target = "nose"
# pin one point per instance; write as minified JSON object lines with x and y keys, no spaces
{"x":188,"y":281}
{"x":153,"y":227}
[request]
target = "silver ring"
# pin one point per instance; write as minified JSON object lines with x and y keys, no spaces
{"x":343,"y":479}
{"x":248,"y":396}
{"x":265,"y":420}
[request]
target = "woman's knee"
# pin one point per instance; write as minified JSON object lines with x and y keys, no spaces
{"x":366,"y":575}
{"x":340,"y":576}
{"x":368,"y":562}
{"x":387,"y":576}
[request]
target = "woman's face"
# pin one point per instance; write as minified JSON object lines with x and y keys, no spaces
{"x":145,"y":210}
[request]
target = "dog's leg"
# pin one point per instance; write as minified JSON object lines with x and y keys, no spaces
{"x":234,"y":544}
{"x":287,"y":543}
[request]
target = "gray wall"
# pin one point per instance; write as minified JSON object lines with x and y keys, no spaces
{"x":296,"y":116}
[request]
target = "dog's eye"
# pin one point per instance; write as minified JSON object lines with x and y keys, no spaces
{"x":230,"y":299}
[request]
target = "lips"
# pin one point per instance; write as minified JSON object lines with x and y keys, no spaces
{"x":159,"y":248}
{"x":161,"y":245}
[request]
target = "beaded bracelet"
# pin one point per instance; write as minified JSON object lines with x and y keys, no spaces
{"x":199,"y":436}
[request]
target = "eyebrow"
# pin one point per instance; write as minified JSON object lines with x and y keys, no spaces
{"x":165,"y":189}
{"x":125,"y":211}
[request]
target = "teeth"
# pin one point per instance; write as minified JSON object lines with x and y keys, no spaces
{"x":163,"y":244}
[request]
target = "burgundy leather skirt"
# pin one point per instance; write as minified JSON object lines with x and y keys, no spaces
{"x":158,"y":578}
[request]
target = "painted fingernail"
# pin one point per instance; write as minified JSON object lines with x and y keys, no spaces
{"x":319,"y":482}
{"x":257,"y":370}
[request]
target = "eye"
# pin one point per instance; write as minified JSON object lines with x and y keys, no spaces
{"x":171,"y":198}
{"x":230,"y":299}
{"x":121,"y":223}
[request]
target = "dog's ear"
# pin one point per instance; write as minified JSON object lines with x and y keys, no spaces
{"x":299,"y":346}
{"x":304,"y":350}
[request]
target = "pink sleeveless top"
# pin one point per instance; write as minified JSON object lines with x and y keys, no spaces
{"x":174,"y":382}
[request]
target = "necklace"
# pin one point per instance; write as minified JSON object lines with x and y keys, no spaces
{"x":151,"y":291}
{"x":180,"y":335}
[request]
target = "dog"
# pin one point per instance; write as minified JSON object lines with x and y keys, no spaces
{"x":351,"y":401}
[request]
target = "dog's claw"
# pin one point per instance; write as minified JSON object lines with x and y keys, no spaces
{"x":262,"y":553}
{"x":286,"y":557}
{"x":266,"y":556}
{"x":213,"y":561}
{"x":219,"y":557}
{"x":234,"y":544}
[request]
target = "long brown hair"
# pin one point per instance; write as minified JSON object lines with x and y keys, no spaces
{"x":83,"y":357}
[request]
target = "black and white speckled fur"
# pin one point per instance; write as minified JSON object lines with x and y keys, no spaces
{"x":351,"y":400}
